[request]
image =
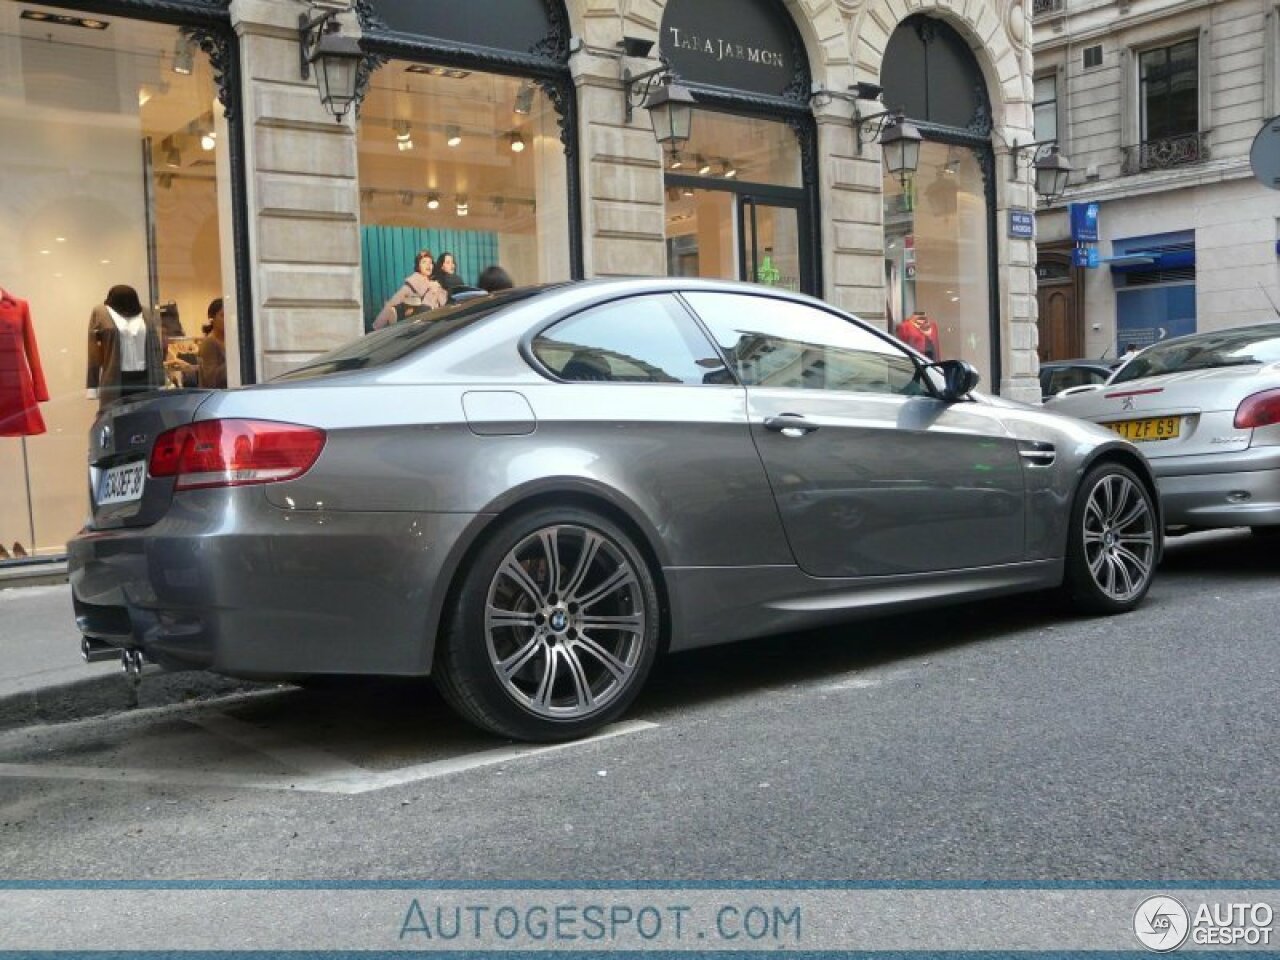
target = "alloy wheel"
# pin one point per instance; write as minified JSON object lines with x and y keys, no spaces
{"x":1119,"y":537}
{"x":565,"y":622}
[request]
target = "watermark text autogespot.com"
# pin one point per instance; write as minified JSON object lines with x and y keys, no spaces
{"x":612,"y":923}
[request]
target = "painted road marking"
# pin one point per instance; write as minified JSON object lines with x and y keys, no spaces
{"x":338,"y":776}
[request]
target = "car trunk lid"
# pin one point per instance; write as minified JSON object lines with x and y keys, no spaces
{"x":121,"y":493}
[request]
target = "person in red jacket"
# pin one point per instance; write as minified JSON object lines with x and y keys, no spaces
{"x":920,"y":333}
{"x":22,"y":386}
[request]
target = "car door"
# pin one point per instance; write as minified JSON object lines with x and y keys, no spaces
{"x":872,"y":474}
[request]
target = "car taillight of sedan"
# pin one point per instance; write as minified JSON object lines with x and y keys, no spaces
{"x":233,"y":453}
{"x":1258,"y":410}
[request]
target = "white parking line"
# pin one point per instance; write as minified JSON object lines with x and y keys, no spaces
{"x":338,"y":777}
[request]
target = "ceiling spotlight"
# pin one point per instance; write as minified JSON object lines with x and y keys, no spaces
{"x":463,"y":209}
{"x":208,"y":140}
{"x":677,"y":161}
{"x":433,"y":201}
{"x":687,"y":192}
{"x":454,"y":135}
{"x":517,"y":142}
{"x":406,"y":198}
{"x":524,"y":100}
{"x":404,"y":135}
{"x":704,"y":167}
{"x":728,"y":169}
{"x":183,"y":56}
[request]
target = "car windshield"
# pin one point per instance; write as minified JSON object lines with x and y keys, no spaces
{"x":1228,"y":348}
{"x":383,"y":347}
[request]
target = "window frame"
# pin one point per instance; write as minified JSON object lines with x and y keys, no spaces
{"x":1053,"y":75}
{"x":1167,"y":47}
{"x":530,"y":356}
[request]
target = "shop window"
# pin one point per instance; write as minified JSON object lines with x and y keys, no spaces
{"x":937,"y":255}
{"x":464,"y":163}
{"x":113,"y":147}
{"x":638,"y":340}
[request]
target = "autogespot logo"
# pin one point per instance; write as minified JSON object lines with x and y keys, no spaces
{"x":1161,"y":923}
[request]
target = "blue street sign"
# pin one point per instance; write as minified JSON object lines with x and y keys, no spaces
{"x":1022,"y":223}
{"x":1079,"y":257}
{"x":1084,"y":222}
{"x":1093,"y":256}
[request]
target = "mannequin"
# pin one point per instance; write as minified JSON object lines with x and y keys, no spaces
{"x":126,"y":348}
{"x":22,"y":386}
{"x":919,"y":332}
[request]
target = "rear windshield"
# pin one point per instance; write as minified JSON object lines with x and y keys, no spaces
{"x":1229,"y":348}
{"x":383,"y":347}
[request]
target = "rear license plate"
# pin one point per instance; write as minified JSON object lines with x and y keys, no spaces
{"x":123,"y":483}
{"x":1152,"y":428}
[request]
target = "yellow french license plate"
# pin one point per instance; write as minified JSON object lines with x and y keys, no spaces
{"x":1152,"y":428}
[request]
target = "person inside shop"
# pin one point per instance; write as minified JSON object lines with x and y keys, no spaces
{"x":494,"y":278}
{"x":920,"y":333}
{"x":213,"y":350}
{"x":419,"y":292}
{"x":447,"y":273}
{"x":126,"y":348}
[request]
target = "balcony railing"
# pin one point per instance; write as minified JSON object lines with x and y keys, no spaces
{"x":1042,"y":8}
{"x":1166,"y":152}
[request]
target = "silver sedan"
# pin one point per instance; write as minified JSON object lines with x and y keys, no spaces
{"x":1206,"y":410}
{"x":530,"y":496}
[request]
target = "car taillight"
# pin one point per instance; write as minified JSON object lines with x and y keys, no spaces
{"x":233,"y":453}
{"x":1260,"y":410}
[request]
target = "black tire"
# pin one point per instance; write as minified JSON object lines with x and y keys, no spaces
{"x":560,"y":682}
{"x":1113,"y":542}
{"x":1265,"y":531}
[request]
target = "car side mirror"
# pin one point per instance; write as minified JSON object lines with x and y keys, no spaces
{"x":959,"y":379}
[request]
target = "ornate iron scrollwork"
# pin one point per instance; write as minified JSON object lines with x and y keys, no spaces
{"x":369,"y":21}
{"x":1166,"y":152}
{"x":980,"y":123}
{"x":216,"y":45}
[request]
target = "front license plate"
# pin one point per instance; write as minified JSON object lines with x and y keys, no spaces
{"x":1152,"y":428}
{"x":123,"y":483}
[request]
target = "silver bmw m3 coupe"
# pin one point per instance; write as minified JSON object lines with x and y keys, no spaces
{"x":530,"y":496}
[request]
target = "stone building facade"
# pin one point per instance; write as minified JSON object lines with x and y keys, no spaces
{"x":1157,"y":103}
{"x":497,"y":130}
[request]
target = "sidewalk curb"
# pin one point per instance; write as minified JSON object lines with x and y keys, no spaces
{"x":112,"y":693}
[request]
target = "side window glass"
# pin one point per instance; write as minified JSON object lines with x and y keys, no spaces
{"x":777,"y":343}
{"x":649,"y":339}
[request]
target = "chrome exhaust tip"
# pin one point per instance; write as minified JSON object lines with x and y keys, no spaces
{"x":131,"y":661}
{"x":98,"y":651}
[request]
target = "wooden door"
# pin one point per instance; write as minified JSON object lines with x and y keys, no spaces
{"x":1058,"y":292}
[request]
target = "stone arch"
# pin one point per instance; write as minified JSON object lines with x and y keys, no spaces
{"x":998,"y":31}
{"x":821,"y":26}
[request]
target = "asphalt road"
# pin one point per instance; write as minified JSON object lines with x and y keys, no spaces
{"x":997,"y":741}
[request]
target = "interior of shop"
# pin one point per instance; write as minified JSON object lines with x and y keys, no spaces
{"x":936,"y":257}
{"x":110,"y":136}
{"x":464,"y":162}
{"x":706,"y":219}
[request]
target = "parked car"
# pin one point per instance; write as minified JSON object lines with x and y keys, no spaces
{"x":529,"y":495}
{"x":1206,"y":410}
{"x":1059,"y":375}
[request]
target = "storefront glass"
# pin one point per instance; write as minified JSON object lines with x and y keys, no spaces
{"x":112,"y":145}
{"x":733,"y":209}
{"x":462,"y":162}
{"x":937,"y":256}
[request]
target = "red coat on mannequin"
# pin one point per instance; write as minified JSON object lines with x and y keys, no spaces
{"x":22,"y":384}
{"x":920,"y":333}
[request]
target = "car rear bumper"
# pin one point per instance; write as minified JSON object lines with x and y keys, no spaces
{"x":228,"y":583}
{"x":1221,"y":490}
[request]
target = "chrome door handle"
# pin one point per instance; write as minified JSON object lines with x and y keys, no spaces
{"x":790,"y":425}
